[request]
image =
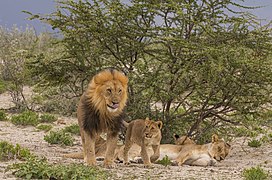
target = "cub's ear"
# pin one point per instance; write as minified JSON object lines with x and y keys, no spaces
{"x":215,"y":138}
{"x":176,"y":136}
{"x":159,"y":123}
{"x":147,"y":121}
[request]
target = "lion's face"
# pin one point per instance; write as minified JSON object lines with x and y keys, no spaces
{"x":152,"y":128}
{"x":219,"y":148}
{"x":108,"y":91}
{"x":113,"y":94}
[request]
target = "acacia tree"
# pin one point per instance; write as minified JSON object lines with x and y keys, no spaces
{"x":189,"y":62}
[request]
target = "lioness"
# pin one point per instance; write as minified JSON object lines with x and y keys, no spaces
{"x":143,"y":133}
{"x":199,"y":155}
{"x":100,"y":109}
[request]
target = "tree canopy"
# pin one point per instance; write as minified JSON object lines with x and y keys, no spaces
{"x":198,"y":65}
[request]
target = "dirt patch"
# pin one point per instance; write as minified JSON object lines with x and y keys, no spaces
{"x":241,"y":156}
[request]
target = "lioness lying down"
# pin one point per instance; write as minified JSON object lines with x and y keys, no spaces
{"x":189,"y":154}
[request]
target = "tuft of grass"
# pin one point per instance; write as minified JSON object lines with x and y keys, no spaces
{"x":165,"y":161}
{"x":44,"y":127}
{"x":255,"y":173}
{"x":59,"y":137}
{"x":254,"y":143}
{"x":73,"y":129}
{"x":35,"y":168}
{"x":9,"y":151}
{"x":47,"y":118}
{"x":3,"y":116}
{"x":25,"y":118}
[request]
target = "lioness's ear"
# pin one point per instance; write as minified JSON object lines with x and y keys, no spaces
{"x":176,"y":136}
{"x":215,"y":138}
{"x":159,"y":123}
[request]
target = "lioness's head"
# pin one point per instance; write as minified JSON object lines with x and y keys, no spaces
{"x":182,"y":140}
{"x":108,"y":91}
{"x":219,"y":148}
{"x":152,"y":128}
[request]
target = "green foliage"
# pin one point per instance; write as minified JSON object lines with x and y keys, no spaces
{"x":2,"y":86}
{"x":25,"y":118}
{"x":9,"y":151}
{"x":3,"y":115}
{"x":165,"y":161}
{"x":44,"y":127}
{"x":16,"y":45}
{"x":59,"y":137}
{"x":73,"y":129}
{"x":35,"y":168}
{"x":255,"y":173}
{"x":47,"y":118}
{"x":254,"y":143}
{"x":200,"y":65}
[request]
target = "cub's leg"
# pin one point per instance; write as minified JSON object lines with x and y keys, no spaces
{"x":145,"y":156}
{"x":127,"y":147}
{"x":89,"y":149}
{"x":111,"y":145}
{"x":156,"y":155}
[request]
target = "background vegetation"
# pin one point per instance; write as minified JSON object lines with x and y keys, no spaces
{"x":198,"y":66}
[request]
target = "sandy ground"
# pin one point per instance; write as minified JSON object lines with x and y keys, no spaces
{"x":241,"y":156}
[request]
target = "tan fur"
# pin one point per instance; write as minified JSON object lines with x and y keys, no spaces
{"x":199,"y":155}
{"x":190,"y":154}
{"x":182,"y":140}
{"x":144,"y":133}
{"x":99,"y":110}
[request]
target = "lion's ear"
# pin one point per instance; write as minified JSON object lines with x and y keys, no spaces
{"x":215,"y":138}
{"x":159,"y":123}
{"x":176,"y":136}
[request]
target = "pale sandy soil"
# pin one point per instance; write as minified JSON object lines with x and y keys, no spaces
{"x":241,"y":156}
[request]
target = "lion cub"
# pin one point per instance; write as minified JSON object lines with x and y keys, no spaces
{"x":143,"y":133}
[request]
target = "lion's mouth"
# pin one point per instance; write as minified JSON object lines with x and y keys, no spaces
{"x":113,"y":107}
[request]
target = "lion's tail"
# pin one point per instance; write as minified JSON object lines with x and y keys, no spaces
{"x":78,"y":155}
{"x":125,"y":124}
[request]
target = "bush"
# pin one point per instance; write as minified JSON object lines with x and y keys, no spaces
{"x":8,"y":151}
{"x":165,"y":161}
{"x":73,"y":129}
{"x":35,"y":168}
{"x":25,"y":118}
{"x":44,"y":127}
{"x":255,"y":173}
{"x":3,"y":116}
{"x":47,"y":118}
{"x":59,"y":137}
{"x":254,"y":143}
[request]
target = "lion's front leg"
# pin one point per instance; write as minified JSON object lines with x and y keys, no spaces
{"x":183,"y":157}
{"x":156,"y":155}
{"x":111,"y":145}
{"x":89,"y":149}
{"x":145,"y":156}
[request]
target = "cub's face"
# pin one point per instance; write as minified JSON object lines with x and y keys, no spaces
{"x":152,"y":128}
{"x":220,"y":150}
{"x":114,"y":95}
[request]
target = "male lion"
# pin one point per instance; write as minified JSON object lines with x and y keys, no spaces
{"x":143,"y":133}
{"x":100,"y":109}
